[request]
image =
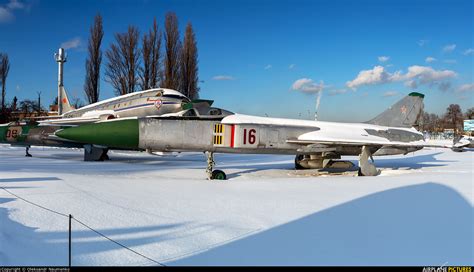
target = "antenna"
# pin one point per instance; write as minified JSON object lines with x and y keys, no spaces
{"x":60,"y":58}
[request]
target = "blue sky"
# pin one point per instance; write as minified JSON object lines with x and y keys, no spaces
{"x":267,"y":57}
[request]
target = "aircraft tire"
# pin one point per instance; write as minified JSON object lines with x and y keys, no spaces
{"x":219,"y":175}
{"x":298,"y":166}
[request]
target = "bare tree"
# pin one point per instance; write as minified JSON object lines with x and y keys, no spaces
{"x":453,"y":117}
{"x":435,"y":122}
{"x":93,"y":61}
{"x":114,"y":71}
{"x":172,"y":54}
{"x":425,"y":124}
{"x":77,"y":103}
{"x":123,"y":62}
{"x":189,"y":62}
{"x":470,"y":113}
{"x":431,"y":122}
{"x":150,"y":73}
{"x":14,"y":104}
{"x":4,"y":69}
{"x":27,"y":106}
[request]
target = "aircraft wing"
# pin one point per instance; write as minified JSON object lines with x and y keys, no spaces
{"x":45,"y":117}
{"x":315,"y":138}
{"x":329,"y":143}
{"x":89,"y":117}
{"x":69,"y":121}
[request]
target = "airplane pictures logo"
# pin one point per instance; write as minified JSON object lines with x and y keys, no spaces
{"x":448,"y":269}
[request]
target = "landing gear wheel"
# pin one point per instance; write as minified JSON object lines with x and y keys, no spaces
{"x":298,"y":158}
{"x":218,"y":174}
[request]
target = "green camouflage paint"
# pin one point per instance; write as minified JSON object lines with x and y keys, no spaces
{"x":3,"y":133}
{"x":113,"y":134}
{"x":21,"y":138}
{"x":417,"y":94}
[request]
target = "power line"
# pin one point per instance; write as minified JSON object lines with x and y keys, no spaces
{"x":37,"y":205}
{"x":113,"y":241}
{"x":83,"y":224}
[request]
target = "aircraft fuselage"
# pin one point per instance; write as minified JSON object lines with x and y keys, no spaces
{"x":235,"y":134}
{"x":144,"y":103}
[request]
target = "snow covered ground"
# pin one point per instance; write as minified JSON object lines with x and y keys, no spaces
{"x":418,"y":212}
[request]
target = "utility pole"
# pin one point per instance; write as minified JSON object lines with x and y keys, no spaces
{"x":60,"y":58}
{"x":39,"y":102}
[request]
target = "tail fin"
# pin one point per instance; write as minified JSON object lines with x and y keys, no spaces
{"x":64,"y":101}
{"x":404,"y":113}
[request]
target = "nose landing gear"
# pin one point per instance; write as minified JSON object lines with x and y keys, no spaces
{"x":211,"y":173}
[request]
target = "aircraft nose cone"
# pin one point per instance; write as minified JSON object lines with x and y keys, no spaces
{"x":65,"y":133}
{"x":114,"y":134}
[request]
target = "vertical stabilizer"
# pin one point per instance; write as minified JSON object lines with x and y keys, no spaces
{"x":404,"y":113}
{"x":65,"y":105}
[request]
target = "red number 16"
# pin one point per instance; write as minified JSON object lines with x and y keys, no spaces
{"x":251,"y":136}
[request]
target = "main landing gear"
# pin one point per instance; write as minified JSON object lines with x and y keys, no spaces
{"x":94,"y":153}
{"x":213,"y":174}
{"x":325,"y":161}
{"x":365,"y":167}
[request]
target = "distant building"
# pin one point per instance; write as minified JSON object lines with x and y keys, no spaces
{"x":469,"y":125}
{"x":21,"y":114}
{"x":448,"y":133}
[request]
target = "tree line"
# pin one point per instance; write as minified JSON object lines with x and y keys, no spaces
{"x":139,"y":63}
{"x":134,"y":63}
{"x":451,"y":119}
{"x":159,"y":58}
{"x":4,"y":69}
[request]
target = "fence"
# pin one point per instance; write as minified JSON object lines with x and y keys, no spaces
{"x":71,"y":218}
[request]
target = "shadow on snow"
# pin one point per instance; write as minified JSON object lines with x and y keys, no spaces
{"x":51,"y":248}
{"x":427,"y":224}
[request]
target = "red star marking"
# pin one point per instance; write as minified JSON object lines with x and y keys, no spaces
{"x":64,"y":100}
{"x":158,"y":103}
{"x":403,"y":109}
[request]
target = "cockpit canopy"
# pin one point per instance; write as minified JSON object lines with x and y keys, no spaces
{"x":168,"y":93}
{"x":201,"y":113}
